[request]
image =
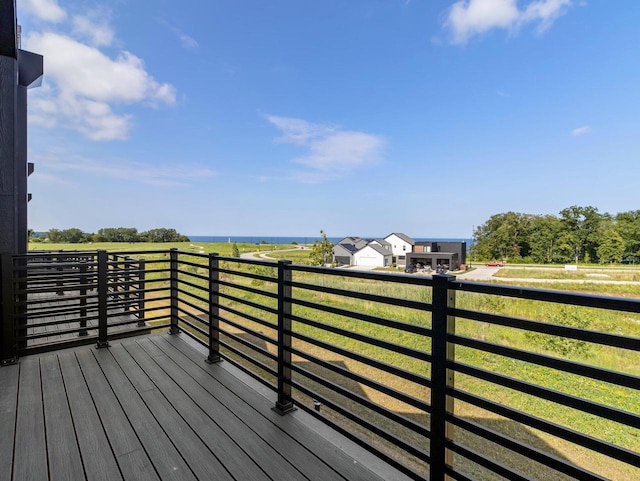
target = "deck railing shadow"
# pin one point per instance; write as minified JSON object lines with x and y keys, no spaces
{"x":431,"y":374}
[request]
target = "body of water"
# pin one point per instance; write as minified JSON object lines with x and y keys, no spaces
{"x":291,"y":240}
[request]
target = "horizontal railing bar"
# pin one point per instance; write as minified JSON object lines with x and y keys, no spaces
{"x":363,"y":295}
{"x":403,"y":468}
{"x":603,"y":338}
{"x":242,"y":301}
{"x":529,"y":452}
{"x":269,"y":370}
{"x":198,"y":329}
{"x":257,"y":334}
{"x":250,"y":275}
{"x":247,"y":371}
{"x":398,"y":395}
{"x":407,"y":351}
{"x":364,"y":401}
{"x":482,"y":460}
{"x":381,"y":321}
{"x":253,"y":290}
{"x":249,"y":344}
{"x":193,"y":295}
{"x":579,"y":369}
{"x":246,"y":316}
{"x":576,"y":437}
{"x":347,"y":413}
{"x":580,"y":404}
{"x":201,"y":309}
{"x":558,"y":297}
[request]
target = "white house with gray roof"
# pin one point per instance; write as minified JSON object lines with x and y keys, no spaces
{"x":372,"y":255}
{"x":356,"y":251}
{"x":401,"y":245}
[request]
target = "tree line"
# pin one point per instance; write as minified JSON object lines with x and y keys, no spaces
{"x":576,"y":234}
{"x":113,"y":234}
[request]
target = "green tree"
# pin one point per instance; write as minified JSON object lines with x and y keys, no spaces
{"x":321,"y":251}
{"x":543,"y":239}
{"x":54,"y":235}
{"x":584,"y":224}
{"x":611,"y":248}
{"x":628,"y":226}
{"x":73,"y":235}
{"x":503,"y":236}
{"x":235,"y":252}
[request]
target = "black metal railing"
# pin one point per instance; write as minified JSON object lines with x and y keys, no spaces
{"x":441,"y":378}
{"x":61,"y":299}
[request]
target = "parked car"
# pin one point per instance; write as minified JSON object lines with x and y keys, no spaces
{"x":410,"y":269}
{"x":494,"y":264}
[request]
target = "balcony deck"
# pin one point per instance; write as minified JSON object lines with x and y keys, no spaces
{"x":151,"y":408}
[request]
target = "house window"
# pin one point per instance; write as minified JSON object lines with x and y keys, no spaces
{"x":404,"y":248}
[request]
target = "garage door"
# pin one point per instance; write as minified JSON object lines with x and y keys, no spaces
{"x":369,"y":261}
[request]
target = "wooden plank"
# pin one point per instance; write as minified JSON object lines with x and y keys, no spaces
{"x":132,"y":459}
{"x":278,"y":454}
{"x":8,"y":411}
{"x":30,"y":458}
{"x":98,"y":458}
{"x":163,"y":455}
{"x":62,"y":446}
{"x":316,"y":446}
{"x":223,"y":446}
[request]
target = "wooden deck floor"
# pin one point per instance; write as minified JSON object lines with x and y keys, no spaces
{"x":150,"y":408}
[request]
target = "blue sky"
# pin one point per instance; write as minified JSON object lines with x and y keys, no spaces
{"x":358,"y":117}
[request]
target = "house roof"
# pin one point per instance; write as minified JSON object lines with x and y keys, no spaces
{"x":350,"y":247}
{"x":402,"y":236}
{"x":379,"y":249}
{"x":382,"y":242}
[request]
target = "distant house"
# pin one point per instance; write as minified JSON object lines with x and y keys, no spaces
{"x":343,"y":250}
{"x":452,"y":254}
{"x":343,"y":253}
{"x":400,"y":249}
{"x":372,"y":255}
{"x":401,"y":244}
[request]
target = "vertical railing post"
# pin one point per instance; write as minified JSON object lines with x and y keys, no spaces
{"x":173,"y":261}
{"x":7,"y":325}
{"x":127,"y":283}
{"x":60,"y":269}
{"x":140,"y":292}
{"x":83,"y":298}
{"x":442,"y":351}
{"x":103,"y":292}
{"x":284,"y":404}
{"x":214,"y":309}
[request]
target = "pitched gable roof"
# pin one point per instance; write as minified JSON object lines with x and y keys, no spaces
{"x":402,"y":236}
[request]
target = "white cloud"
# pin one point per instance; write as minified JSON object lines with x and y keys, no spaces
{"x":46,"y":10}
{"x":585,"y":129}
{"x":86,"y":84}
{"x":467,"y":18}
{"x":97,"y":32}
{"x":332,"y":153}
{"x":86,"y":89}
